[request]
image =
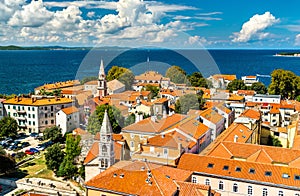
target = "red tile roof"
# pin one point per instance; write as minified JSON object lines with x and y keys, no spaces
{"x":191,"y":162}
{"x":251,"y":113}
{"x":128,"y":177}
{"x":70,"y":110}
{"x":157,"y":126}
{"x":93,"y":153}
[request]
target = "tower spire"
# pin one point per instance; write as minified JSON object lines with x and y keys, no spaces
{"x":102,"y":85}
{"x":106,"y":126}
{"x":101,"y":71}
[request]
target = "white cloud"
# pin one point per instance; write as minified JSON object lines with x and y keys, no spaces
{"x":90,"y":14}
{"x":8,"y":7}
{"x":85,"y":4}
{"x":209,"y":13}
{"x":297,"y":40}
{"x":31,"y":15}
{"x":197,"y":40}
{"x":34,"y":23}
{"x":254,"y":27}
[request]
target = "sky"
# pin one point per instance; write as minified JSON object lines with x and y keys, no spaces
{"x":164,"y":23}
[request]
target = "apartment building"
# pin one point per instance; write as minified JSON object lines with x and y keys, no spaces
{"x":36,"y":113}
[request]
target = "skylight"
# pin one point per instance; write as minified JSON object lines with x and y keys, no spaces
{"x":226,"y":167}
{"x":252,"y":171}
{"x":297,"y":177}
{"x":238,"y":169}
{"x":210,"y":165}
{"x":268,"y":173}
{"x":285,"y":175}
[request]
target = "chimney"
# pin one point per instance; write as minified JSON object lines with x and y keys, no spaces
{"x":235,"y":139}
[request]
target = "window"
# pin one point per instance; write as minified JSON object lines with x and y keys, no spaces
{"x":33,"y":115}
{"x":51,"y":108}
{"x":221,"y":185}
{"x":104,"y":149}
{"x":297,"y":177}
{"x":250,"y":190}
{"x":285,"y":175}
{"x":29,"y":115}
{"x":194,"y":179}
{"x":29,"y":122}
{"x":276,"y":134}
{"x":45,"y":108}
{"x":165,"y":151}
{"x":52,"y":121}
{"x":252,"y":171}
{"x":28,"y":108}
{"x":131,"y":144}
{"x":45,"y":115}
{"x":14,"y":107}
{"x":210,"y":165}
{"x":235,"y":188}
{"x":265,"y":192}
{"x":238,"y":169}
{"x":46,"y":122}
{"x":280,"y":193}
{"x":226,"y":167}
{"x":33,"y":123}
{"x":32,"y":108}
{"x":207,"y":182}
{"x":8,"y":107}
{"x":297,"y":194}
{"x":268,"y":173}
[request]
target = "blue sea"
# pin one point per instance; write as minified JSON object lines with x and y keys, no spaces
{"x":23,"y":70}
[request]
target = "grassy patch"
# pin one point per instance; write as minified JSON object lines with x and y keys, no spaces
{"x":37,"y":168}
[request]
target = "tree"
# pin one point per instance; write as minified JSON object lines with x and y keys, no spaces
{"x":7,"y":165}
{"x":187,"y":102}
{"x":67,"y":168}
{"x":259,"y":88}
{"x":176,"y":74}
{"x":236,"y":84}
{"x":284,"y":83}
{"x":273,"y":141}
{"x":129,"y":120}
{"x":57,"y":92}
{"x":52,"y":133}
{"x":122,"y":74}
{"x":54,"y":157}
{"x":73,"y":148}
{"x":153,"y":89}
{"x":197,"y":80}
{"x":2,"y":151}
{"x":115,"y":118}
{"x":9,"y":127}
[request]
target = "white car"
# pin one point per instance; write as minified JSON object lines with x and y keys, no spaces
{"x":40,"y":147}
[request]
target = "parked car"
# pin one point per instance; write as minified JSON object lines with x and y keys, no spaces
{"x":34,"y":135}
{"x":25,"y":144}
{"x":29,"y":152}
{"x":40,"y":147}
{"x":34,"y":150}
{"x":13,"y":147}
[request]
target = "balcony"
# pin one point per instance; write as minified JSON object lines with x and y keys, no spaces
{"x":20,"y":118}
{"x":23,"y":126}
{"x":21,"y":111}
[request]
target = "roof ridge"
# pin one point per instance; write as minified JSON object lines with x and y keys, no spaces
{"x":160,"y":190}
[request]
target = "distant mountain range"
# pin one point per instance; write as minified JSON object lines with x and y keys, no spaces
{"x":13,"y":47}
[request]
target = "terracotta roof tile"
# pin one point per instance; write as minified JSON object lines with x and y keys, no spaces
{"x":211,"y":115}
{"x":115,"y":84}
{"x":130,"y":177}
{"x":93,"y":153}
{"x":191,"y":162}
{"x":38,"y":102}
{"x":70,"y":110}
{"x":161,"y":100}
{"x":225,"y":76}
{"x":245,"y":92}
{"x":188,"y":188}
{"x":254,"y":153}
{"x":58,"y":85}
{"x":157,"y":126}
{"x":251,"y":113}
{"x":166,"y":140}
{"x":79,"y":131}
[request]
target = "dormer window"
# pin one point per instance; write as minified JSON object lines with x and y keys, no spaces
{"x":210,"y":165}
{"x":252,"y":171}
{"x":226,"y":167}
{"x":238,"y":169}
{"x":268,"y":173}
